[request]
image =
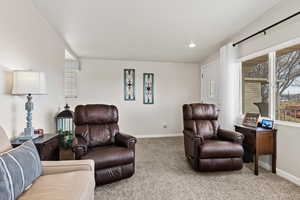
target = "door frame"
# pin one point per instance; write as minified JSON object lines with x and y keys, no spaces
{"x":202,"y":68}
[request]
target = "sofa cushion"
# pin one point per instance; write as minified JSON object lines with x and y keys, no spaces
{"x":78,"y":185}
{"x":4,"y":141}
{"x":19,"y":167}
{"x":109,"y":156}
{"x":220,"y":149}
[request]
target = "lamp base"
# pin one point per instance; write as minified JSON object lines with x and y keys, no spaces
{"x":29,"y":137}
{"x":28,"y":134}
{"x":29,"y":131}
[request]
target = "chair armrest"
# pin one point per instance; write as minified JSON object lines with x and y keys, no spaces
{"x":55,"y":167}
{"x":192,"y":143}
{"x":196,"y":138}
{"x":125,"y":140}
{"x":79,"y":147}
{"x":231,"y":136}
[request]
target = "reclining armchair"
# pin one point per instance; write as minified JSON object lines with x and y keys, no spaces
{"x":97,"y":137}
{"x":207,"y":147}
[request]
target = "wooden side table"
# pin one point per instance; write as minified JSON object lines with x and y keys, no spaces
{"x":259,"y":141}
{"x":47,"y":146}
{"x":66,"y":154}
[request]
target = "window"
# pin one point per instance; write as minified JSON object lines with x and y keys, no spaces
{"x":271,"y":84}
{"x":255,"y":85}
{"x":288,"y":84}
{"x":70,"y":78}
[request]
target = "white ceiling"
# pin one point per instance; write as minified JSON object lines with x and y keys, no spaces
{"x":151,"y":30}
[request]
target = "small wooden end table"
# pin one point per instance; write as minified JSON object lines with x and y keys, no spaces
{"x":66,"y":154}
{"x":47,"y":146}
{"x":259,"y":141}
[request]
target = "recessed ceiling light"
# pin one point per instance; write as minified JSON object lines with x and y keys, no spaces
{"x":192,"y":45}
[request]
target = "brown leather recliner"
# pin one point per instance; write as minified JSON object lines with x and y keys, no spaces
{"x":207,"y":147}
{"x":98,"y":138}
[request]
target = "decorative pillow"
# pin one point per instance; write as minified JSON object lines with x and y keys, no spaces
{"x":19,"y":167}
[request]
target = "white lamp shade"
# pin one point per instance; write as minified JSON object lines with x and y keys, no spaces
{"x":29,"y":82}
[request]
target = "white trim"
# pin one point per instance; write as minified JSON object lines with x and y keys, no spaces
{"x":270,"y":49}
{"x":240,"y":103}
{"x":159,"y":135}
{"x":202,"y":67}
{"x":287,"y":123}
{"x":69,"y":55}
{"x":288,"y":176}
{"x":281,"y":173}
{"x":202,"y":84}
{"x":272,"y":85}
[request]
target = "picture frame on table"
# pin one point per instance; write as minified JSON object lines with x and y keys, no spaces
{"x":251,"y":119}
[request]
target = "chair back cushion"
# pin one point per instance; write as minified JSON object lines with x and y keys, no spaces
{"x":4,"y":141}
{"x":202,"y":119}
{"x":19,"y":167}
{"x":97,"y":123}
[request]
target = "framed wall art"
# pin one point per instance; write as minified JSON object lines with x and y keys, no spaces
{"x":129,"y":84}
{"x":148,"y":90}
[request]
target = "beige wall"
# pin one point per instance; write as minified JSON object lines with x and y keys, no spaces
{"x":214,"y":57}
{"x":288,"y":136}
{"x":28,"y":42}
{"x":101,"y":81}
{"x":288,"y":149}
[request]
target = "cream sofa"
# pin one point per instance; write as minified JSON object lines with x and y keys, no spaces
{"x":61,"y":180}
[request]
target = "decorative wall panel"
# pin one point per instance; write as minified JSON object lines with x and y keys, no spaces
{"x":129,"y":84}
{"x":148,"y":79}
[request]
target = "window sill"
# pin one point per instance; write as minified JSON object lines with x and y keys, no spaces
{"x":287,"y":123}
{"x":276,"y":122}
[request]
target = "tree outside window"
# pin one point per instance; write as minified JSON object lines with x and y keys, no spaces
{"x":255,"y":75}
{"x":288,"y":84}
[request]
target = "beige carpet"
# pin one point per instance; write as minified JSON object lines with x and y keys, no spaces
{"x":162,"y":173}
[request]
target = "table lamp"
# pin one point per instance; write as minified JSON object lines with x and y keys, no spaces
{"x":28,"y":83}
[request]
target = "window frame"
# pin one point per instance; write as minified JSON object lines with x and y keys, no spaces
{"x":271,"y":52}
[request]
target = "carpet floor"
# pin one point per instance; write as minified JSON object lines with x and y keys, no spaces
{"x":162,"y":173}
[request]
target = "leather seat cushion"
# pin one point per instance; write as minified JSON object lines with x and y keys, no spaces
{"x":109,"y":156}
{"x":220,"y":149}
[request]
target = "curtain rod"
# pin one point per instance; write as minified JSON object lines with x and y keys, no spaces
{"x":265,"y":29}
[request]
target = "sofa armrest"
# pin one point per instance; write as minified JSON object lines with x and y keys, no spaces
{"x":79,"y":147}
{"x":55,"y":167}
{"x":125,"y":140}
{"x":231,"y":136}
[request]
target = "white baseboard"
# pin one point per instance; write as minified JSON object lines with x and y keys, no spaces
{"x":159,"y":135}
{"x":281,"y":173}
{"x":288,"y":176}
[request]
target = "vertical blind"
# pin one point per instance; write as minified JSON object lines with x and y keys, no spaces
{"x":70,"y":78}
